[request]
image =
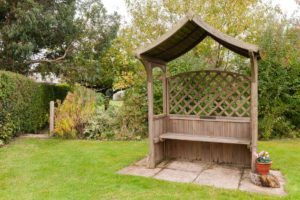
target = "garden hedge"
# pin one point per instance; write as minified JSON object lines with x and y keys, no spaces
{"x":24,"y":104}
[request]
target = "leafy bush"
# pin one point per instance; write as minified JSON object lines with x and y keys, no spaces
{"x":72,"y":115}
{"x":133,"y":114}
{"x":279,"y":84}
{"x":279,"y":81}
{"x":24,"y":104}
{"x":103,"y":124}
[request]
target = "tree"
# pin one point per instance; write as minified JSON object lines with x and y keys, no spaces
{"x":67,"y":38}
{"x":92,"y":62}
{"x":239,"y":19}
{"x":279,"y":82}
{"x":253,"y":21}
{"x":151,"y":19}
{"x":30,"y":29}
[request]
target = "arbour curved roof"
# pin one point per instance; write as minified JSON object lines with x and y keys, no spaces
{"x":185,"y":35}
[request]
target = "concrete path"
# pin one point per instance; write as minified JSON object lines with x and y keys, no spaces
{"x":40,"y":136}
{"x":220,"y":176}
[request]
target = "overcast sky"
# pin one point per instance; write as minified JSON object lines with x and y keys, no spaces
{"x":288,"y":6}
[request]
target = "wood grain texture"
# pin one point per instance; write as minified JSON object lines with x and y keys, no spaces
{"x":210,"y":128}
{"x":185,"y":35}
{"x":159,"y":128}
{"x":209,"y":93}
{"x":51,"y":118}
{"x":208,"y":152}
{"x":205,"y":138}
{"x":207,"y":115}
{"x":152,"y":146}
{"x":254,"y":107}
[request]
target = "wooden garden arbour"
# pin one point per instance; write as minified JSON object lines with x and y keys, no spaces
{"x":207,"y":115}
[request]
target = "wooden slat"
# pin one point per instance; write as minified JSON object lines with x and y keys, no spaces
{"x":209,"y":93}
{"x":214,"y":119}
{"x":159,"y":116}
{"x":233,"y":154}
{"x":202,"y":138}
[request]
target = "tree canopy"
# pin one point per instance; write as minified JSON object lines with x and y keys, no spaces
{"x":253,"y":21}
{"x":81,"y":42}
{"x":35,"y":28}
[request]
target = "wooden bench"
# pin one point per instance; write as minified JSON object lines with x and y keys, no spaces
{"x":205,"y":138}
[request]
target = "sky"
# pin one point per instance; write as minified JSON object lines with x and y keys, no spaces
{"x":288,"y":6}
{"x":116,"y":5}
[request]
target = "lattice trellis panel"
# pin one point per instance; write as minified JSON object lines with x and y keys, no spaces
{"x":209,"y":93}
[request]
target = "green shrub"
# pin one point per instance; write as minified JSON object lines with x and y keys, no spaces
{"x":279,"y":82}
{"x":103,"y":124}
{"x":100,"y":98}
{"x":72,"y":115}
{"x":24,"y":104}
{"x":134,"y":112}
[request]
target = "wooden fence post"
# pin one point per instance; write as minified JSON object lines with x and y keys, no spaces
{"x":51,"y":118}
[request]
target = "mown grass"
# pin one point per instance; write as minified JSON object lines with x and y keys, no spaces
{"x":78,"y":169}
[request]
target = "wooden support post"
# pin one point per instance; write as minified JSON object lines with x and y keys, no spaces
{"x":149,"y":70}
{"x":51,"y":118}
{"x":165,"y":106}
{"x":164,"y":84}
{"x":254,"y":108}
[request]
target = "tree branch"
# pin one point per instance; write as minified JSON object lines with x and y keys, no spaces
{"x":68,"y":50}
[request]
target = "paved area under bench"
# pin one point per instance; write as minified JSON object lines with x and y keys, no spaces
{"x":220,"y":176}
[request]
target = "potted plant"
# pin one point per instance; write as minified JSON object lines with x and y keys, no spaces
{"x":263,"y":163}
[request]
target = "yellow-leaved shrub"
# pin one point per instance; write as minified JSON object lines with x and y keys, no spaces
{"x":72,"y":115}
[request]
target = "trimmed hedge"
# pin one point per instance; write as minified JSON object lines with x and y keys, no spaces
{"x":24,"y":104}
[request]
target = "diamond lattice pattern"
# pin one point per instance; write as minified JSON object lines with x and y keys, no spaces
{"x":210,"y":93}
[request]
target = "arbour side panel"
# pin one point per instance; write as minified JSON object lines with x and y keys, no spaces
{"x":210,"y":93}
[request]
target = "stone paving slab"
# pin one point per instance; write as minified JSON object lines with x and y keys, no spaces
{"x":139,"y":171}
{"x":176,"y":175}
{"x":142,"y":162}
{"x":248,"y":186}
{"x":200,"y":173}
{"x":221,"y":177}
{"x":187,"y":166}
{"x":163,"y":164}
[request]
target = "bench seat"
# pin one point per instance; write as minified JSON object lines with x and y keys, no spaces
{"x":205,"y":138}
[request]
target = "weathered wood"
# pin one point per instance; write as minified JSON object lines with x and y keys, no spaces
{"x":254,"y":107}
{"x":214,"y":119}
{"x":222,"y":153}
{"x":159,"y":116}
{"x":51,"y":118}
{"x":205,"y":138}
{"x":164,"y":37}
{"x":186,"y":34}
{"x":155,"y":61}
{"x":209,"y":128}
{"x":156,"y":140}
{"x":159,"y":127}
{"x":148,"y":67}
{"x":209,"y":93}
{"x":168,"y":97}
{"x":165,"y":91}
{"x":207,"y":115}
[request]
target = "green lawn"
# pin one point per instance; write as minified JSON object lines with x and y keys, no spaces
{"x":70,"y":169}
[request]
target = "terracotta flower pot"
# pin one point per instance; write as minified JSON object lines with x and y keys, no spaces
{"x":263,"y":168}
